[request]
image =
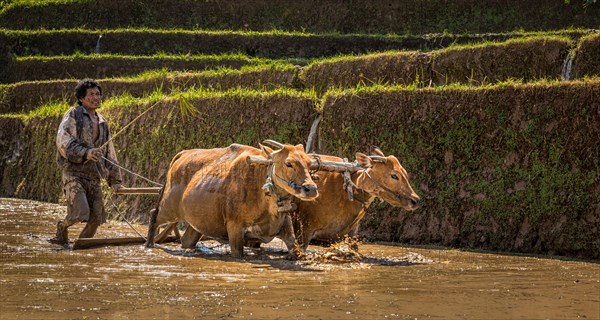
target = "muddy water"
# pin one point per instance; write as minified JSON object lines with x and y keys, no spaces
{"x":41,"y":281}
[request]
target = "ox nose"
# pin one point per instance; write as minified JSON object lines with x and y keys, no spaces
{"x":310,"y":190}
{"x":414,"y":201}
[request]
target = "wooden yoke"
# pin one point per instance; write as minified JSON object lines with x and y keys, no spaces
{"x":319,"y":165}
{"x":316,"y":165}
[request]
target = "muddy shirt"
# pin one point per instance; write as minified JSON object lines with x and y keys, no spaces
{"x":75,"y":139}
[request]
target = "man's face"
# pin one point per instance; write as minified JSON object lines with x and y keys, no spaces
{"x":92,"y":99}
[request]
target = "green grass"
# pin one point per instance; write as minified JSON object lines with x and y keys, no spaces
{"x":275,"y":32}
{"x":125,"y":100}
{"x":545,"y":36}
{"x":162,"y":77}
{"x":50,"y":109}
{"x":54,"y":108}
{"x":375,"y":89}
{"x":29,"y":3}
{"x":216,"y":57}
{"x":274,"y":65}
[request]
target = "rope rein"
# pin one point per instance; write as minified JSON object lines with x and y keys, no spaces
{"x":125,"y":219}
{"x":113,"y":202}
{"x":283,"y":199}
{"x":290,"y":183}
{"x":394,"y":193}
{"x":133,"y":173}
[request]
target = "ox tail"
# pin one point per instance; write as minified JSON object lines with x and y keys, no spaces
{"x":152,"y":227}
{"x":152,"y":223}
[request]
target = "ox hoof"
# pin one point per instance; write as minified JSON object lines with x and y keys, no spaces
{"x":293,"y":256}
{"x":60,"y":242}
{"x":149,"y":245}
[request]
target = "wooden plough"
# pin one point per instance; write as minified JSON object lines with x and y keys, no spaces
{"x":88,"y":243}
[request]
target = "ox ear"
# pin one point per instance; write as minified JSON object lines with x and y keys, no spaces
{"x":375,"y":151}
{"x":364,"y":160}
{"x":266,"y":151}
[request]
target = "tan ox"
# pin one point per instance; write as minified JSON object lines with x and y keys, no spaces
{"x":333,"y":215}
{"x":220,"y":195}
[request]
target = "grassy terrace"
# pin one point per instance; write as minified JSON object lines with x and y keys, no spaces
{"x":362,"y":16}
{"x":267,"y":44}
{"x":126,"y":101}
{"x":28,"y":95}
{"x":527,"y":59}
{"x":110,"y":65}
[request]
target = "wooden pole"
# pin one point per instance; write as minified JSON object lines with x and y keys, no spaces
{"x":88,"y":243}
{"x":321,"y":165}
{"x":148,"y":190}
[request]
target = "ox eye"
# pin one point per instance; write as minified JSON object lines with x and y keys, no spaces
{"x":287,"y":164}
{"x":395,"y":177}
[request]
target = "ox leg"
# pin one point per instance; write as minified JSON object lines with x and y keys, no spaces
{"x":152,"y":228}
{"x":177,"y":234}
{"x":236,"y":240}
{"x":152,"y":225}
{"x":302,"y":231}
{"x":353,"y":235}
{"x":253,"y":244}
{"x":190,"y":238}
{"x":162,"y":236}
{"x":287,"y":235}
{"x":305,"y":235}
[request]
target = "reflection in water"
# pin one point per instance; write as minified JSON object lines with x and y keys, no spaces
{"x":42,"y":281}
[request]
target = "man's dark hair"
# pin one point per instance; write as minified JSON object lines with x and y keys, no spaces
{"x":83,"y":85}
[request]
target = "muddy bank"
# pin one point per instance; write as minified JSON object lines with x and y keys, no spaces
{"x":507,"y":168}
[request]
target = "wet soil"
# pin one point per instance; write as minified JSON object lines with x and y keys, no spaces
{"x":43,"y":281}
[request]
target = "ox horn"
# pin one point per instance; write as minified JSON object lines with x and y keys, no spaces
{"x":375,"y":151}
{"x":378,"y":159}
{"x":273,"y":143}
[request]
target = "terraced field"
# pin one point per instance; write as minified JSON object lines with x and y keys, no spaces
{"x":494,"y":109}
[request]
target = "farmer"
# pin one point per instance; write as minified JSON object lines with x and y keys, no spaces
{"x":85,"y":158}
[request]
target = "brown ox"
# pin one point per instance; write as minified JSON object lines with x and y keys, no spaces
{"x":220,"y":195}
{"x":333,"y":215}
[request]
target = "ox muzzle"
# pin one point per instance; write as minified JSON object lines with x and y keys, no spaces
{"x":309,"y":190}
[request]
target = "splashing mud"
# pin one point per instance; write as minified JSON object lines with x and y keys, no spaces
{"x":43,"y":281}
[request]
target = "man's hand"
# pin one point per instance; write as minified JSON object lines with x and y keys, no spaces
{"x":116,"y":187}
{"x":94,"y":154}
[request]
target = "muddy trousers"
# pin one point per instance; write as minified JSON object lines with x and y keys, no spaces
{"x":84,"y":204}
